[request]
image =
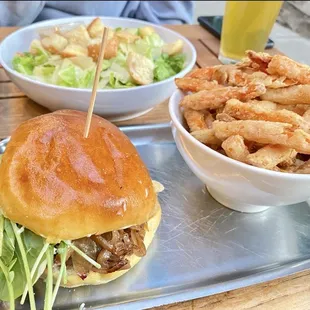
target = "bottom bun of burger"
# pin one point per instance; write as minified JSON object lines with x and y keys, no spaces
{"x":95,"y":278}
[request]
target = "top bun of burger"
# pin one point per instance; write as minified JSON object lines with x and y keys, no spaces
{"x":63,"y":186}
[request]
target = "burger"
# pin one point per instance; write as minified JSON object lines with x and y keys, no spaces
{"x":74,"y":210}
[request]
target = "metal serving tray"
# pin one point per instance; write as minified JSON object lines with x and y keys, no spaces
{"x":201,"y":248}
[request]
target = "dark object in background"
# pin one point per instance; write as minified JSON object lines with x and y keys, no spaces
{"x":214,"y":25}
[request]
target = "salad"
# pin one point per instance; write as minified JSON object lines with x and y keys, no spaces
{"x":133,"y":57}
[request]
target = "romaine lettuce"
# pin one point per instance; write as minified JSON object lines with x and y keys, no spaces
{"x":167,"y":66}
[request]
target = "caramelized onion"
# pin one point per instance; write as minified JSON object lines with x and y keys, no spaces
{"x":110,"y":250}
{"x":80,"y":265}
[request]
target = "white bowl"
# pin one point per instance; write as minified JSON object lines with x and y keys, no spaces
{"x":114,"y":104}
{"x":234,"y":184}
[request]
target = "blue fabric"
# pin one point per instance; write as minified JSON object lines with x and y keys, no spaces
{"x":21,"y":13}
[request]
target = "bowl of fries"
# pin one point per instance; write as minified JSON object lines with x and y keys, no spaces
{"x":244,"y":130}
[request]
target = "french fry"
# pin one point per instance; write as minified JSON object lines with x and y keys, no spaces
{"x":306,"y":116}
{"x":224,"y":117}
{"x":297,"y":94}
{"x":195,"y":85}
{"x":304,"y":168}
{"x":208,"y":73}
{"x":206,"y":136}
{"x":289,"y":162}
{"x":208,"y":119}
{"x":260,"y":59}
{"x":239,"y":78}
{"x":284,"y":66}
{"x":235,"y":148}
{"x":270,"y":156}
{"x":257,"y":131}
{"x":195,"y":119}
{"x":213,"y":99}
{"x":255,"y":111}
{"x":300,"y":109}
{"x":266,"y":133}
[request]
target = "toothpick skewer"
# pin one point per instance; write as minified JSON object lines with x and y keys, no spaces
{"x":96,"y":81}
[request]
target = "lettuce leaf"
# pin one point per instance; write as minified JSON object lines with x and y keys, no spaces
{"x":176,"y":62}
{"x":24,"y":63}
{"x":12,"y":259}
{"x":167,"y":66}
{"x":150,"y":46}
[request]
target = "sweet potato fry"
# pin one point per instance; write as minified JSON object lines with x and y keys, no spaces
{"x":266,"y":133}
{"x":195,"y":85}
{"x":297,"y":94}
{"x":206,"y":136}
{"x":284,"y":66}
{"x":270,"y":156}
{"x":195,"y":119}
{"x":256,"y":111}
{"x":235,"y":148}
{"x":213,"y":99}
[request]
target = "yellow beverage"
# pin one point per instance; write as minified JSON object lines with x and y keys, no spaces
{"x":246,"y":26}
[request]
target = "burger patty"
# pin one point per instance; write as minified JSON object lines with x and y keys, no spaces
{"x":111,"y":250}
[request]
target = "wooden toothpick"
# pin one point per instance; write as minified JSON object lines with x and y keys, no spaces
{"x":96,"y":81}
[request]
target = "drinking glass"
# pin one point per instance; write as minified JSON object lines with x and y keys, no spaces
{"x":246,"y":26}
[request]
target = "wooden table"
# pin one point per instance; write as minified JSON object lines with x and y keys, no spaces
{"x":288,"y":293}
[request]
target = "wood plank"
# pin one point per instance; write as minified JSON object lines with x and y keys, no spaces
{"x":160,"y":114}
{"x":3,"y":76}
{"x":285,"y":293}
{"x":15,"y":111}
{"x":288,"y":293}
{"x":191,"y":32}
{"x":186,"y":305}
{"x":204,"y":57}
{"x":5,"y":31}
{"x":9,"y":90}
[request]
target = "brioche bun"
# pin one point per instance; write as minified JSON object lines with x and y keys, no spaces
{"x":63,"y":186}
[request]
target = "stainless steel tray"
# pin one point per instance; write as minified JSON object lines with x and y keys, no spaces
{"x":201,"y":248}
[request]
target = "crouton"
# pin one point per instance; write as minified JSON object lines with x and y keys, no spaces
{"x":73,"y":50}
{"x":55,"y":43}
{"x":140,"y":68}
{"x":173,"y":48}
